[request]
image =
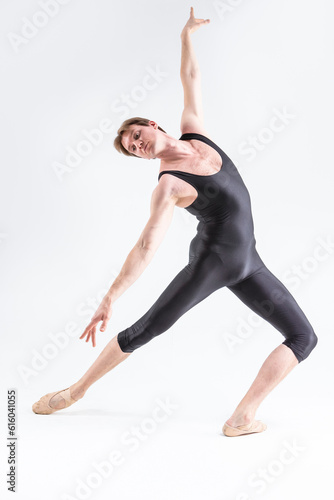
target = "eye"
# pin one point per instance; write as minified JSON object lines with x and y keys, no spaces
{"x":136,"y":136}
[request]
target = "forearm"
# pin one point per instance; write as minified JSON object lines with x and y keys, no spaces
{"x":134,"y":265}
{"x":189,"y":63}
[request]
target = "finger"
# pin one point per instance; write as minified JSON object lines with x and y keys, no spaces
{"x":88,"y":327}
{"x":92,"y":332}
{"x":191,"y":11}
{"x":85,"y":331}
{"x":93,"y":339}
{"x":83,"y":335}
{"x":104,"y":325}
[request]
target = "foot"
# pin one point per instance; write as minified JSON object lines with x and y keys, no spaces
{"x":240,"y":424}
{"x":240,"y":419}
{"x":58,"y":400}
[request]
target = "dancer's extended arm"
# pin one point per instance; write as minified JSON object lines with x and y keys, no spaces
{"x":150,"y":239}
{"x":162,"y":207}
{"x":192,"y":115}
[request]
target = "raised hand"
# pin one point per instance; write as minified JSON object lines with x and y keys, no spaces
{"x":193,"y":24}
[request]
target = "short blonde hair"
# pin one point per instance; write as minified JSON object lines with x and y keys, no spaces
{"x":124,"y":127}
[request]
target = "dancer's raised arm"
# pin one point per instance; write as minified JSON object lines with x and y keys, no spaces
{"x":192,"y":116}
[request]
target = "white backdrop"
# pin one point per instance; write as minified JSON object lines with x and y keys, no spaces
{"x":72,"y":208}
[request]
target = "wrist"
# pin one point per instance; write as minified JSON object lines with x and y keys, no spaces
{"x":111,"y":296}
{"x":185,"y":33}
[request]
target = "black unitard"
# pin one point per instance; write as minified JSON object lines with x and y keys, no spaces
{"x":221,"y":254}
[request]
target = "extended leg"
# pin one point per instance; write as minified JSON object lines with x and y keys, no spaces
{"x":110,"y":357}
{"x":191,"y":285}
{"x":269,"y":298}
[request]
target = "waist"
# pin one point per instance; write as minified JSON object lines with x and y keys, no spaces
{"x":229,"y":232}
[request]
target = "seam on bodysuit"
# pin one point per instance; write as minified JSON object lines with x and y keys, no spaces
{"x":247,"y":277}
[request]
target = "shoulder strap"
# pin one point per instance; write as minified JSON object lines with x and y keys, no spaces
{"x":203,"y":138}
{"x":193,"y":135}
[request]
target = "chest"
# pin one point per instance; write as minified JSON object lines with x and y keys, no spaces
{"x":205,"y":162}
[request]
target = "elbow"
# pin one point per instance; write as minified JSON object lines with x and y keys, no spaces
{"x":190,"y":74}
{"x":145,"y":246}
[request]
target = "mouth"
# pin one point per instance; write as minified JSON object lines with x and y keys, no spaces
{"x":145,"y":147}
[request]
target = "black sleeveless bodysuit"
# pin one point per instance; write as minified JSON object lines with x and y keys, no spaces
{"x":223,"y":253}
{"x":223,"y":209}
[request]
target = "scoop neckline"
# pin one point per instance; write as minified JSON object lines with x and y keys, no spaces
{"x":190,"y":173}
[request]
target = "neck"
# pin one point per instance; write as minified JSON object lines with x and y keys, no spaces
{"x":173,"y":150}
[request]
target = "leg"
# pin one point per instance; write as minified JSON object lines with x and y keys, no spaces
{"x":189,"y":287}
{"x":110,"y":357}
{"x":196,"y":281}
{"x":275,"y":368}
{"x":270,"y":299}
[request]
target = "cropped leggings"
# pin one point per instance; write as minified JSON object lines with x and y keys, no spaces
{"x":261,"y":291}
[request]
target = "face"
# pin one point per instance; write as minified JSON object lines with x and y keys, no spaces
{"x":141,"y":140}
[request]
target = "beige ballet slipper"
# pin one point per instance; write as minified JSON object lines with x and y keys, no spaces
{"x":240,"y":430}
{"x":42,"y":406}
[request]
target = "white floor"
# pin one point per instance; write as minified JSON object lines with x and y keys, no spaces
{"x":133,"y":436}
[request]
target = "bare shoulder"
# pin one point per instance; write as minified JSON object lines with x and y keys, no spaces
{"x":167,"y":190}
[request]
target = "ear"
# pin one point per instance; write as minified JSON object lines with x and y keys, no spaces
{"x":153,"y":124}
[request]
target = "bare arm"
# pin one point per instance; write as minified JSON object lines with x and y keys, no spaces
{"x":162,"y":206}
{"x":192,"y":115}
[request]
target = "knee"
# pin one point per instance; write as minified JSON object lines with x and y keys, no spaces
{"x":123,"y":341}
{"x":136,"y":336}
{"x":310,"y":342}
{"x":303,"y":343}
{"x":313,"y":340}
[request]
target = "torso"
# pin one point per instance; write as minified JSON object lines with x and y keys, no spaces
{"x":207,"y":162}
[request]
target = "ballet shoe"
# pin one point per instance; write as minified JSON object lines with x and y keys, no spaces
{"x":240,"y":430}
{"x":42,"y":406}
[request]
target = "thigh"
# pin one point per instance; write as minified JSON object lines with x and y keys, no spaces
{"x":267,"y":296}
{"x":194,"y":283}
{"x":191,"y":285}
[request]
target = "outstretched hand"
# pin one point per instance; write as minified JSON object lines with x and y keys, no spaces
{"x":193,"y":24}
{"x":103,"y":313}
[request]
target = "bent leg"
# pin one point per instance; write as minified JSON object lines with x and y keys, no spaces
{"x":270,"y":299}
{"x":274,"y":369}
{"x":267,"y":296}
{"x":191,"y":285}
